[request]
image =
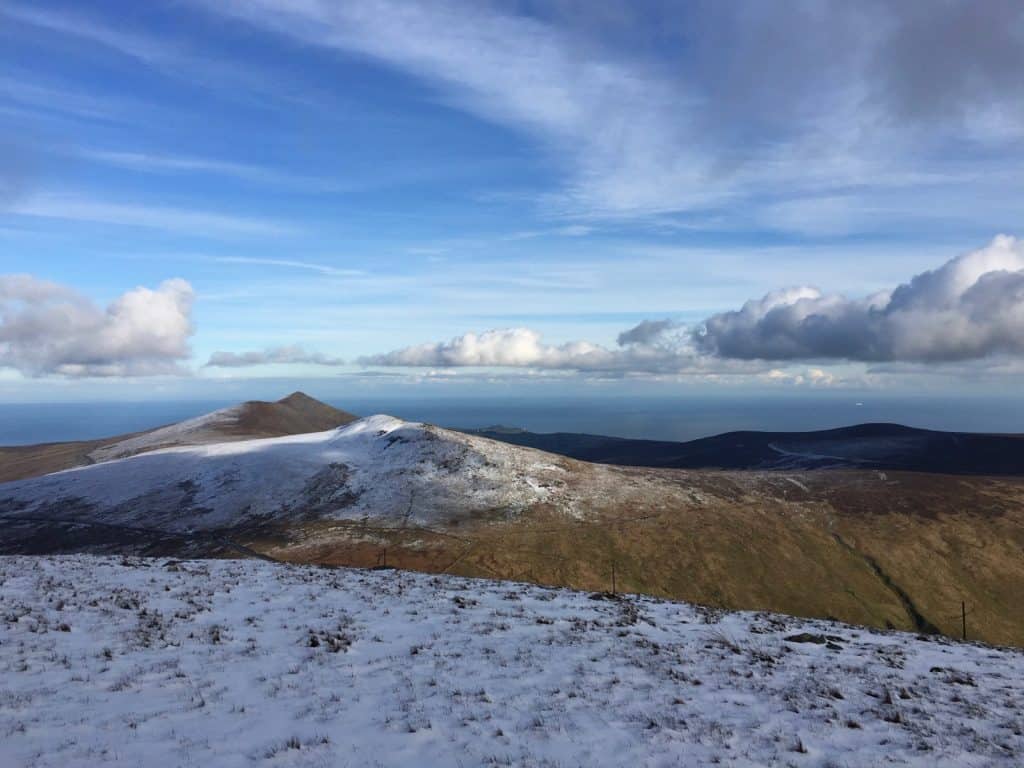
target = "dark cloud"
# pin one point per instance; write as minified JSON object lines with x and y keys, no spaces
{"x":46,"y":328}
{"x":969,"y":308}
{"x":952,"y":57}
{"x":647,"y":332}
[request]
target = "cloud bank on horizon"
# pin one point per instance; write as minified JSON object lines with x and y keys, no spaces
{"x":971,"y":307}
{"x":289,"y":355}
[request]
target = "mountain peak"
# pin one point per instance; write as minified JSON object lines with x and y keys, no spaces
{"x":299,"y":397}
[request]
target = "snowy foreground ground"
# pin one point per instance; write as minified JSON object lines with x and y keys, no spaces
{"x":225,"y":663}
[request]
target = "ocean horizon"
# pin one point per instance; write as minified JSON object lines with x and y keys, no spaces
{"x":655,"y":418}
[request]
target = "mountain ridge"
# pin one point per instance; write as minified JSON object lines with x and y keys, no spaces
{"x":872,"y":445}
{"x":296,"y":413}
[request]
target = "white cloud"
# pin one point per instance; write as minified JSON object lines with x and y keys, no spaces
{"x":294,"y":354}
{"x":969,"y":308}
{"x":664,"y":352}
{"x":50,"y":329}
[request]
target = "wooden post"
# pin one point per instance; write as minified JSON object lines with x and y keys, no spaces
{"x":963,"y":617}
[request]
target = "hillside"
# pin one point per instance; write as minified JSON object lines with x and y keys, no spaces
{"x":884,"y":549}
{"x":234,"y":663}
{"x":296,"y":414}
{"x":869,"y":446}
{"x":379,"y":467}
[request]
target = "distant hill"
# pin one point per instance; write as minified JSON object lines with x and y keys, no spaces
{"x":866,"y":446}
{"x":296,"y":414}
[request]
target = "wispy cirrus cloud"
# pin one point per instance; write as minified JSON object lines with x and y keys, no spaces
{"x":287,"y":355}
{"x":144,"y":48}
{"x":184,"y":164}
{"x":171,"y":59}
{"x":840,"y":104}
{"x":323,"y":269}
{"x":85,"y":209}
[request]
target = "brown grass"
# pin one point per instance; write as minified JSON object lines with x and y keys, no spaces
{"x":296,"y":414}
{"x":755,"y":541}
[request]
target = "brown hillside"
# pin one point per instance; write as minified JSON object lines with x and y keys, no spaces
{"x":899,"y":550}
{"x":295,"y":414}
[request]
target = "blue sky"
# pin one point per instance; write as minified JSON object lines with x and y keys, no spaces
{"x":432,"y":194}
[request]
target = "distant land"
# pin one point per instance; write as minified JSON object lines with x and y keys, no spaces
{"x":676,"y":418}
{"x":865,"y":446}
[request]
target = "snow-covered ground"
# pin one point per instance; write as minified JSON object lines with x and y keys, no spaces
{"x":241,"y":663}
{"x":379,"y":466}
{"x":195,"y":431}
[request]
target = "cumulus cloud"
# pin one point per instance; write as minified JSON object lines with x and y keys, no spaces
{"x":516,"y":347}
{"x":288,"y":354}
{"x":647,"y":332}
{"x":47,"y":328}
{"x":972,"y":307}
{"x":969,"y":308}
{"x":650,"y":347}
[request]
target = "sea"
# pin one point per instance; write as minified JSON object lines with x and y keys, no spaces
{"x":656,"y":418}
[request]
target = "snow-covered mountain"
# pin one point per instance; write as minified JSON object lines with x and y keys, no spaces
{"x":298,"y":413}
{"x":378,"y":466}
{"x":240,"y":663}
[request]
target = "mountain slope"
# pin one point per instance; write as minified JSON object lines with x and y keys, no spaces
{"x":296,"y":414}
{"x":379,"y":466}
{"x":218,"y":663}
{"x":871,"y":446}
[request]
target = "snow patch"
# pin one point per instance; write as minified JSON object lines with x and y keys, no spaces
{"x":379,"y":467}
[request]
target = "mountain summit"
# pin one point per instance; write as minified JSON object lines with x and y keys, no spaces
{"x":295,"y":414}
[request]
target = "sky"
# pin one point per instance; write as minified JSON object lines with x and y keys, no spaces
{"x":209,"y":196}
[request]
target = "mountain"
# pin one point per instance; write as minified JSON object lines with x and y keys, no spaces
{"x":880,"y":548}
{"x":296,"y":414}
{"x":133,"y":661}
{"x":383,"y":467}
{"x":869,"y":446}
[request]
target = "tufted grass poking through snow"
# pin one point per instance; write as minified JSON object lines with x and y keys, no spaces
{"x":244,"y":663}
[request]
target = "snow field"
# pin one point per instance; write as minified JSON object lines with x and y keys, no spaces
{"x":246,"y":663}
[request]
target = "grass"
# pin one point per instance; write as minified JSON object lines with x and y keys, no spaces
{"x":854,"y":548}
